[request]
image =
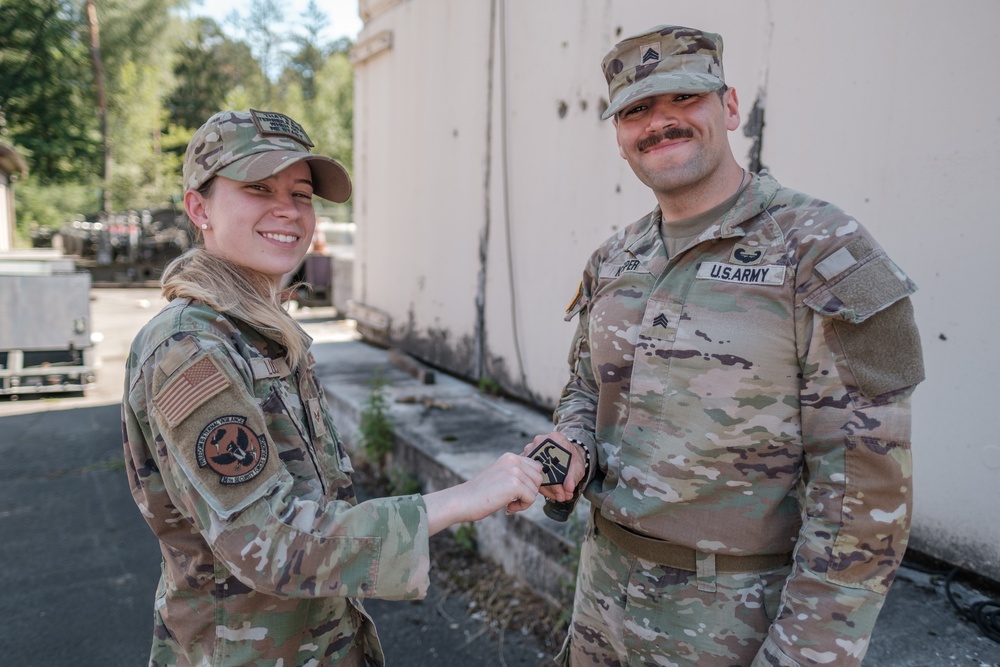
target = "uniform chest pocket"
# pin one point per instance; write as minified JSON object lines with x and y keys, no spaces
{"x":312,"y":467}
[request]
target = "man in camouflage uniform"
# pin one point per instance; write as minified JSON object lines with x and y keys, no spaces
{"x":739,"y":399}
{"x":236,"y":466}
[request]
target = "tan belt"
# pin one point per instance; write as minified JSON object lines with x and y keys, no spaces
{"x":681,"y":557}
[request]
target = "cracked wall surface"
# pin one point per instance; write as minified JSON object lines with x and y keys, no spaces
{"x":485,"y":178}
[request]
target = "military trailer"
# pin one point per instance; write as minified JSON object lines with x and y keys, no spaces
{"x":45,"y":344}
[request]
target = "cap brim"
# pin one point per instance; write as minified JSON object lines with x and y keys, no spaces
{"x":330,"y":179}
{"x":661,"y":84}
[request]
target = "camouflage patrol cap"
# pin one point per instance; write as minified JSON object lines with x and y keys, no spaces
{"x":664,"y":59}
{"x":249,"y":146}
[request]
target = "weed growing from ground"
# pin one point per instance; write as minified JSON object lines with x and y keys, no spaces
{"x":377,"y":435}
{"x":402,"y":483}
{"x":465,"y":537}
{"x":488,"y":385}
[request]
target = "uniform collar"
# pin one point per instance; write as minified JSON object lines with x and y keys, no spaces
{"x":754,"y":200}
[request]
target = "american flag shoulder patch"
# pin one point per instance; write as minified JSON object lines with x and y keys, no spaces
{"x":181,"y":395}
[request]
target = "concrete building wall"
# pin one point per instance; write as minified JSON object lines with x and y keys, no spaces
{"x":485,"y":179}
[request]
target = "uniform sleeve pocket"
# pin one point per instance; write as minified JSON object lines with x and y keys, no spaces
{"x":875,"y":515}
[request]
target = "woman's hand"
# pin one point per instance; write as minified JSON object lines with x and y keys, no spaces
{"x":512,"y":482}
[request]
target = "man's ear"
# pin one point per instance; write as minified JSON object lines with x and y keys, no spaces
{"x":732,"y":104}
{"x":196,"y":206}
{"x":614,"y":121}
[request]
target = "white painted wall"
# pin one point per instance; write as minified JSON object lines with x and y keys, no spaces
{"x":888,"y":109}
{"x":6,"y":213}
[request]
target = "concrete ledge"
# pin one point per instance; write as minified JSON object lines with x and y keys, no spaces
{"x":447,"y":432}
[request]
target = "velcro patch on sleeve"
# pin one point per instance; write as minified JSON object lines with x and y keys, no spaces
{"x":177,"y":355}
{"x":883,"y":352}
{"x":844,"y":258}
{"x":179,"y":397}
{"x":857,"y":281}
{"x":224,"y":449}
{"x":870,"y":288}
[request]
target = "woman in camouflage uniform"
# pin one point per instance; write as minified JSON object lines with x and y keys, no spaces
{"x":233,"y":458}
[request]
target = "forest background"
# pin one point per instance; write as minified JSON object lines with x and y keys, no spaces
{"x":100,"y":97}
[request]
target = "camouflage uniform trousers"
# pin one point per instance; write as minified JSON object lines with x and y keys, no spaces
{"x":630,"y":611}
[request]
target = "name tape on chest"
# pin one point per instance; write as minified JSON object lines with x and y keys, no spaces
{"x":768,"y":274}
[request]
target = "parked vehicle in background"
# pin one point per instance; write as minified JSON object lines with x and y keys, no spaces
{"x":45,"y":337}
{"x":127,"y":248}
{"x":327,"y":269}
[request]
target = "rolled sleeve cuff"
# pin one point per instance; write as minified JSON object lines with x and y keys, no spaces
{"x":403,"y":571}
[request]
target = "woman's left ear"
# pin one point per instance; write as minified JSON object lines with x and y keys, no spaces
{"x":195,"y":205}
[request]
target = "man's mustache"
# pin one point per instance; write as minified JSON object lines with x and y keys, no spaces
{"x":669,"y":133}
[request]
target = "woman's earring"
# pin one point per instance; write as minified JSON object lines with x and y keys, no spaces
{"x":204,"y":225}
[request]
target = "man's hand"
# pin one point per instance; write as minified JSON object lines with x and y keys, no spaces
{"x":562,"y":492}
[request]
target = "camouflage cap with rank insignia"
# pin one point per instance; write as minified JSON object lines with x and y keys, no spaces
{"x":664,"y":59}
{"x":249,"y":146}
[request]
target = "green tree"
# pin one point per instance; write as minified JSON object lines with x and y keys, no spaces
{"x":46,"y":96}
{"x":309,"y":56}
{"x":51,"y":206}
{"x":262,"y":30}
{"x":208,"y":67}
{"x":332,"y":109}
{"x":164,"y":76}
{"x":138,"y":41}
{"x":318,"y":84}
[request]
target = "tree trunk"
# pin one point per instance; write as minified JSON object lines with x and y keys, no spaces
{"x":102,"y":102}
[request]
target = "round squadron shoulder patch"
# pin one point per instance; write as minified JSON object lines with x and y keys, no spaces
{"x":229,"y":447}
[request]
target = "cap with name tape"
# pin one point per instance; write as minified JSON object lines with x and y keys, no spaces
{"x":253,"y":145}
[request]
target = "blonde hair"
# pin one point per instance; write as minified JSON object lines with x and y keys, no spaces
{"x":235,"y":291}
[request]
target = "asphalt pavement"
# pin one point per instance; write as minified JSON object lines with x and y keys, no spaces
{"x":78,"y":566}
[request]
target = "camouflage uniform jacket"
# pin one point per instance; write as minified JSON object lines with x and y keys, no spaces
{"x":234,"y":462}
{"x":751,"y":396}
